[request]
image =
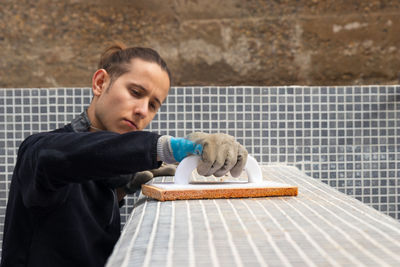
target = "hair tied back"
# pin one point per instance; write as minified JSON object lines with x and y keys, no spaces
{"x":109,"y":53}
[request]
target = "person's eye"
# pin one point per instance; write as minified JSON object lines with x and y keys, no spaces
{"x":134,"y":92}
{"x":153,"y":106}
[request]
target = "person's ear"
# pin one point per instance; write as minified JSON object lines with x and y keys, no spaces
{"x":100,"y":81}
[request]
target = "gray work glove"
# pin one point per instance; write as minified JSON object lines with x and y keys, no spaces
{"x":220,"y":153}
{"x":143,"y":177}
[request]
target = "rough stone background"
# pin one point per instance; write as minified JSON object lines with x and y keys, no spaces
{"x":50,"y":43}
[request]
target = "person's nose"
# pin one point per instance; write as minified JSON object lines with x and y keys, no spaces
{"x":142,"y":108}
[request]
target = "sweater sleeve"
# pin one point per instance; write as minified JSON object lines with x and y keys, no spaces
{"x":48,"y":161}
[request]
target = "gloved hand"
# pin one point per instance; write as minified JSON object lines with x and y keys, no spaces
{"x":220,"y":153}
{"x":143,"y":177}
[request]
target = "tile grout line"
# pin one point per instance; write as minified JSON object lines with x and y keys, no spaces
{"x":229,"y":234}
{"x":125,"y":262}
{"x":211,"y":244}
{"x":324,"y":190}
{"x":307,"y":236}
{"x":192,"y":261}
{"x":270,"y":239}
{"x":354,"y":207}
{"x":123,"y":234}
{"x":150,"y":245}
{"x":249,"y":238}
{"x":288,"y":237}
{"x":171,"y":236}
{"x":377,"y":244}
{"x":328,"y":237}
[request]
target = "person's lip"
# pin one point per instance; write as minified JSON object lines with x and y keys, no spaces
{"x":131,"y":124}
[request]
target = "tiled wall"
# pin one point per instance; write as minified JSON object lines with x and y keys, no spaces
{"x":347,"y":137}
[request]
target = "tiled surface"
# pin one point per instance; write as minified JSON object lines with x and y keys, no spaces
{"x":347,"y":137}
{"x":319,"y":227}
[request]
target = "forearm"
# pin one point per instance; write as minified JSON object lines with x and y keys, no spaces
{"x":71,"y":157}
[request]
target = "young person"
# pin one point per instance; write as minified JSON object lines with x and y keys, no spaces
{"x":63,"y":206}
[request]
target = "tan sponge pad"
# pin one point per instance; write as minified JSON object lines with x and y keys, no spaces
{"x":210,"y":190}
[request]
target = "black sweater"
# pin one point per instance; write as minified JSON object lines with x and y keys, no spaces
{"x":59,"y":213}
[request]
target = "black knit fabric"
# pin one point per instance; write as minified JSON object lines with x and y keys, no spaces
{"x":60,"y":212}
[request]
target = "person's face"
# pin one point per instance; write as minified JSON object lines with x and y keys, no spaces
{"x":131,"y":101}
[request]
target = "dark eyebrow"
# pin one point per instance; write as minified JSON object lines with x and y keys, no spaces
{"x":144,"y":89}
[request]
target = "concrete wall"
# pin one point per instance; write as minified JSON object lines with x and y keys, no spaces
{"x":48,"y":43}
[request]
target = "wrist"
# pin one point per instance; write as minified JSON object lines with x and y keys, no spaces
{"x":181,"y":148}
{"x":171,"y":149}
{"x":164,"y":151}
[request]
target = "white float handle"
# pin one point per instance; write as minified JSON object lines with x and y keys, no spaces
{"x":188,"y":164}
